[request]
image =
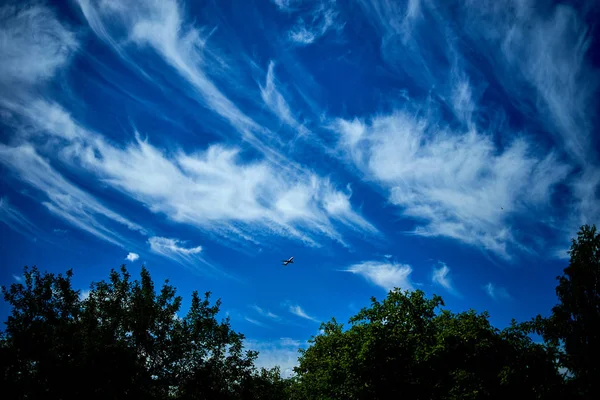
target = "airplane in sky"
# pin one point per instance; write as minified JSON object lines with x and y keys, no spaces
{"x":288,"y":261}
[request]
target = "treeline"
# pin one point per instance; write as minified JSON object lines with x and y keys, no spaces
{"x":125,"y":340}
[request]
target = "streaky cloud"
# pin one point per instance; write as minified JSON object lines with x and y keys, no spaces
{"x":175,"y":249}
{"x":255,"y":322}
{"x":299,"y":312}
{"x":14,"y":219}
{"x":265,"y":313}
{"x":161,"y":26}
{"x":215,"y":191}
{"x":64,"y":199}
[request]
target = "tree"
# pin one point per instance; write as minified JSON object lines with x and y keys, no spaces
{"x":403,"y":347}
{"x":123,"y":341}
{"x":574,"y":321}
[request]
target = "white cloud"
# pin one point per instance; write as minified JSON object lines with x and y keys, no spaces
{"x":284,"y":5}
{"x":84,"y":294}
{"x":265,"y":313}
{"x":15,"y":219}
{"x":386,"y":275}
{"x":33,"y":46}
{"x":393,"y":17}
{"x":132,"y":257}
{"x":321,"y":19}
{"x":277,"y":103}
{"x":63,"y":198}
{"x":546,"y":54}
{"x":17,"y":278}
{"x":255,"y":322}
{"x":540,"y":58}
{"x":496,"y":293}
{"x":547,"y":51}
{"x":216,"y":190}
{"x":162,"y":26}
{"x":441,"y":277}
{"x":212,"y":189}
{"x":455,"y":184}
{"x":298,"y":311}
{"x":174,"y":249}
{"x":282,"y":353}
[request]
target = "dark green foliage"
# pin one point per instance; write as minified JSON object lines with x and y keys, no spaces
{"x":402,"y":347}
{"x":574,"y":323}
{"x":123,"y":341}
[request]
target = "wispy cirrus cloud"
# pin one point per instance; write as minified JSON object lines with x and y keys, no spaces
{"x":265,"y":313}
{"x":255,"y":322}
{"x":454,"y":184}
{"x":441,"y":276}
{"x":528,"y":51}
{"x":174,"y":249}
{"x":62,"y":198}
{"x":496,"y":293}
{"x":285,"y":5}
{"x":233,"y":198}
{"x":13,"y":218}
{"x":386,"y":275}
{"x":277,"y":103}
{"x":215,"y":190}
{"x":31,"y":59}
{"x":17,"y":278}
{"x":299,"y":312}
{"x":316,"y":23}
{"x":163,"y":27}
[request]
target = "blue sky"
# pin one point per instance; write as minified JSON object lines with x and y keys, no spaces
{"x":442,"y":146}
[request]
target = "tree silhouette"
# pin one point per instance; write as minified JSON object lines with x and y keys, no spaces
{"x":123,"y":341}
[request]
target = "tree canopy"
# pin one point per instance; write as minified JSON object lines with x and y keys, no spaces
{"x":123,"y":341}
{"x":128,"y":340}
{"x":403,"y":347}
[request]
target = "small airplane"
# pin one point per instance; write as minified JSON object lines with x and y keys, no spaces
{"x":288,"y":261}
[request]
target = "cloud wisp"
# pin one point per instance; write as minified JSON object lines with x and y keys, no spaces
{"x":173,"y":248}
{"x":265,"y":313}
{"x":316,"y":23}
{"x":299,"y":312}
{"x":496,"y":157}
{"x":386,"y":275}
{"x":64,"y":199}
{"x":14,"y":219}
{"x":441,"y":276}
{"x":215,"y":190}
{"x":453,"y":184}
{"x":496,"y":293}
{"x":255,"y":322}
